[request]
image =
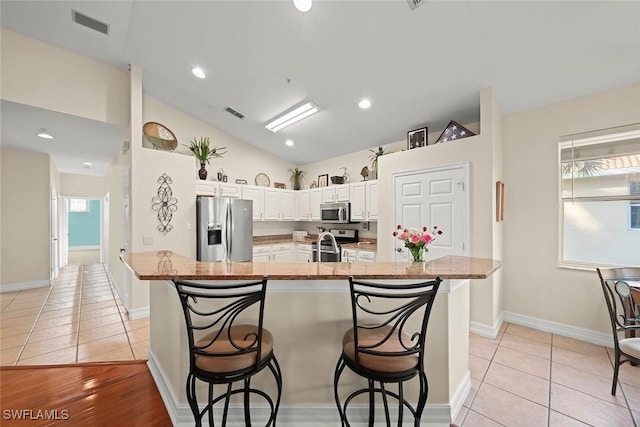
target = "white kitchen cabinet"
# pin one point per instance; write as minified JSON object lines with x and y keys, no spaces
{"x":207,"y":188}
{"x":358,"y":201}
{"x":304,"y":206}
{"x":338,"y":193}
{"x":230,"y":190}
{"x":279,"y":205}
{"x":364,"y":201}
{"x":283,"y":253}
{"x":262,"y":253}
{"x":366,"y":256}
{"x":255,"y":193}
{"x":288,"y":205}
{"x":349,"y":255}
{"x":371,"y":198}
{"x":303,"y":253}
{"x":315,"y":199}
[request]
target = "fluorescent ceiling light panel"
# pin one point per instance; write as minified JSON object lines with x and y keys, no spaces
{"x":292,"y":116}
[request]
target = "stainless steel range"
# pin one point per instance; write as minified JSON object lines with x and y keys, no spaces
{"x":330,"y":252}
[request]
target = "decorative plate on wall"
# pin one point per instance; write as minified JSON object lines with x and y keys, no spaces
{"x":263,"y":180}
{"x":160,"y":136}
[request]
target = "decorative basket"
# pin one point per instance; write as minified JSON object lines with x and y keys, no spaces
{"x":337,"y":180}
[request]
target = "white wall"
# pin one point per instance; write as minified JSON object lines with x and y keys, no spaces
{"x":24,"y":202}
{"x":242,"y":160}
{"x":39,"y":74}
{"x":82,"y":185}
{"x":534,"y":284}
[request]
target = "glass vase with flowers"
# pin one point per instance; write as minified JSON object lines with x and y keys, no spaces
{"x":417,"y":241}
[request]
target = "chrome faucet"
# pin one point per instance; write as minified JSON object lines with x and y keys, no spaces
{"x":333,"y":241}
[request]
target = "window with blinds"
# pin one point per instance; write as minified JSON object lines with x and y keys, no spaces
{"x":600,"y":198}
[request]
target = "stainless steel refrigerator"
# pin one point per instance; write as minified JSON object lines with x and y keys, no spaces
{"x":225,"y":229}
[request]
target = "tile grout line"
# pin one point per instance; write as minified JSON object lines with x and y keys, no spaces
{"x":113,"y":294}
{"x":15,"y":363}
{"x":469,"y":409}
{"x":79,"y":311}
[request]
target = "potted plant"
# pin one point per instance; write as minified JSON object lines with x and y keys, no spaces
{"x":374,"y":160}
{"x":296,"y":177}
{"x":203,"y":151}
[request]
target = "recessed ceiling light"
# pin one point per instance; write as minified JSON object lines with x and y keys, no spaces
{"x":303,"y":5}
{"x":44,"y":134}
{"x":198,"y":72}
{"x":364,"y":104}
{"x":289,"y":143}
{"x":88,"y":164}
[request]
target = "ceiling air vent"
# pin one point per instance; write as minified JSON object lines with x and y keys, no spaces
{"x":89,"y":22}
{"x":413,"y":4}
{"x":234,"y":112}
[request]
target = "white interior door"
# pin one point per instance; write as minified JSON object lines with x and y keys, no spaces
{"x":433,"y":197}
{"x":104,"y":225}
{"x":126,"y":239}
{"x":53,"y":217}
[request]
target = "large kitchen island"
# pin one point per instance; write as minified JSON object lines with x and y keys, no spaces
{"x":308,"y":310}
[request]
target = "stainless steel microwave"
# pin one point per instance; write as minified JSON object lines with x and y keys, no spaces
{"x":335,"y":212}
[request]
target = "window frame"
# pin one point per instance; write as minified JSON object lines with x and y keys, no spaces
{"x":603,"y":136}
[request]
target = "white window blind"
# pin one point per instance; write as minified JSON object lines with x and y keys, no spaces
{"x":600,"y":197}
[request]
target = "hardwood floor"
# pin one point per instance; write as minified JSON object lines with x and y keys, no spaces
{"x":91,"y":394}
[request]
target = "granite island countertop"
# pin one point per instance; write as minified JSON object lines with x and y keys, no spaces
{"x":165,"y":265}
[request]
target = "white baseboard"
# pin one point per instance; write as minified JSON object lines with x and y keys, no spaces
{"x":115,"y":282}
{"x":487,"y":331}
{"x":325,"y":415}
{"x":581,"y":334}
{"x":84,"y":248}
{"x":139,"y":313}
{"x":12,"y":287}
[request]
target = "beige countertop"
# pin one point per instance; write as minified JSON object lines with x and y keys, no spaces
{"x":165,"y":265}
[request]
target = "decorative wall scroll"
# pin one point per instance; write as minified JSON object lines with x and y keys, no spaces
{"x":164,"y":203}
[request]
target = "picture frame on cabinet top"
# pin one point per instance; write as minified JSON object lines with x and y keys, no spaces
{"x":323,"y":180}
{"x":417,"y":138}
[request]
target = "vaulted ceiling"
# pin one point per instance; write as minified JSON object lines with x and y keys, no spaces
{"x":419,"y":68}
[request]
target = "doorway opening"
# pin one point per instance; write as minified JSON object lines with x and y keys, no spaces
{"x":83,"y":231}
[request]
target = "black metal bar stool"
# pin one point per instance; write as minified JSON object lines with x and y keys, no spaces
{"x":223,"y":347}
{"x":383,"y":348}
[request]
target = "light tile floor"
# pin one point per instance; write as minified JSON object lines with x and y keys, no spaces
{"x":531,"y":378}
{"x":524,"y":377}
{"x":79,"y":319}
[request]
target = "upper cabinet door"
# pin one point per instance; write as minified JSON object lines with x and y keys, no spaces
{"x":304,"y":206}
{"x":358,"y":207}
{"x":328,"y":195}
{"x":315,"y":198}
{"x":288,"y":209}
{"x":257,"y":195}
{"x":272,"y":204}
{"x":342,"y":193}
{"x":372,"y":200}
{"x":230,"y":190}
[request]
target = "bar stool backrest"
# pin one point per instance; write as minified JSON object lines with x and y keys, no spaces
{"x":211,"y":309}
{"x":397,"y":313}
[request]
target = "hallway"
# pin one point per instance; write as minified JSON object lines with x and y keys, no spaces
{"x":79,"y":319}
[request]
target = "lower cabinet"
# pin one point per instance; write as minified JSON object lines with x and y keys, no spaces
{"x":278,"y":253}
{"x":303,"y":253}
{"x":358,"y":255}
